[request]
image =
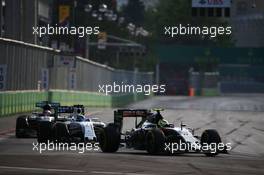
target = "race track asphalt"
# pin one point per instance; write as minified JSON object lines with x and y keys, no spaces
{"x":238,"y":118}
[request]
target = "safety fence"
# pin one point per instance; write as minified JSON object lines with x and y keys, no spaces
{"x":205,"y":84}
{"x":242,"y":78}
{"x":241,"y":69}
{"x":16,"y":102}
{"x":25,"y":66}
{"x":13,"y":102}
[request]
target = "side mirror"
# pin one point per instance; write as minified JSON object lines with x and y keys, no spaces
{"x":171,"y":125}
{"x":182,"y":125}
{"x":191,"y":130}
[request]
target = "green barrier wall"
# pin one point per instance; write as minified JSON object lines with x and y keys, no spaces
{"x":210,"y":92}
{"x":19,"y":101}
{"x":24,"y":101}
{"x":85,"y":98}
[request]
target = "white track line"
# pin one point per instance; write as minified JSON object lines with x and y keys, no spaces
{"x":41,"y":169}
{"x":6,"y":136}
{"x":68,"y":171}
{"x":116,"y":173}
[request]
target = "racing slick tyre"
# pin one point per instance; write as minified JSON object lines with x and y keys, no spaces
{"x":44,"y":132}
{"x":109,"y":139}
{"x":155,"y":141}
{"x":172,"y":138}
{"x":21,"y":126}
{"x":61,"y":132}
{"x":212,"y":138}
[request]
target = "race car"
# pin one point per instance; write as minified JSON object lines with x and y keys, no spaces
{"x":27,"y":125}
{"x":70,"y":125}
{"x":155,"y":135}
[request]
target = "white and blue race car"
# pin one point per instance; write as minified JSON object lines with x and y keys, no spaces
{"x":27,"y":125}
{"x":70,"y":125}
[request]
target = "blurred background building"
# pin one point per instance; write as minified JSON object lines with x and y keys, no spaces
{"x":18,"y":18}
{"x":247,"y":18}
{"x":132,"y":37}
{"x":236,"y":66}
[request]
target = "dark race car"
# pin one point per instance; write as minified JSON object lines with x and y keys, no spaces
{"x":70,"y":125}
{"x":155,"y":135}
{"x":27,"y":125}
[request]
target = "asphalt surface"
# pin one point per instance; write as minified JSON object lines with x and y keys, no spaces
{"x":239,"y":120}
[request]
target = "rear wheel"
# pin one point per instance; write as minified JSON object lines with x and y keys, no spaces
{"x":212,"y":139}
{"x":109,"y":139}
{"x":155,"y":141}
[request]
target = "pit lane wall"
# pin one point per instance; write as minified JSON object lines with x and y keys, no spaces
{"x":13,"y":102}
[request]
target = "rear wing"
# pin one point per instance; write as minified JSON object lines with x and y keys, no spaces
{"x":123,"y":113}
{"x":43,"y":104}
{"x":70,"y":109}
{"x":80,"y":107}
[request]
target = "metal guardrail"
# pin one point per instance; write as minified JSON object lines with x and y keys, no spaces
{"x":26,"y":66}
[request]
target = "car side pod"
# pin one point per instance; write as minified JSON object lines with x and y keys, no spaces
{"x":109,"y":139}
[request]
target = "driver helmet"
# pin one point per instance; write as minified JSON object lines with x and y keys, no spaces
{"x":79,"y":118}
{"x":47,"y":107}
{"x":77,"y":110}
{"x":163,"y":123}
{"x":47,"y":112}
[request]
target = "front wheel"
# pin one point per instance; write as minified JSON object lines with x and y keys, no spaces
{"x":155,"y":141}
{"x":61,"y":133}
{"x":212,"y":139}
{"x":44,"y":132}
{"x":109,"y":139}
